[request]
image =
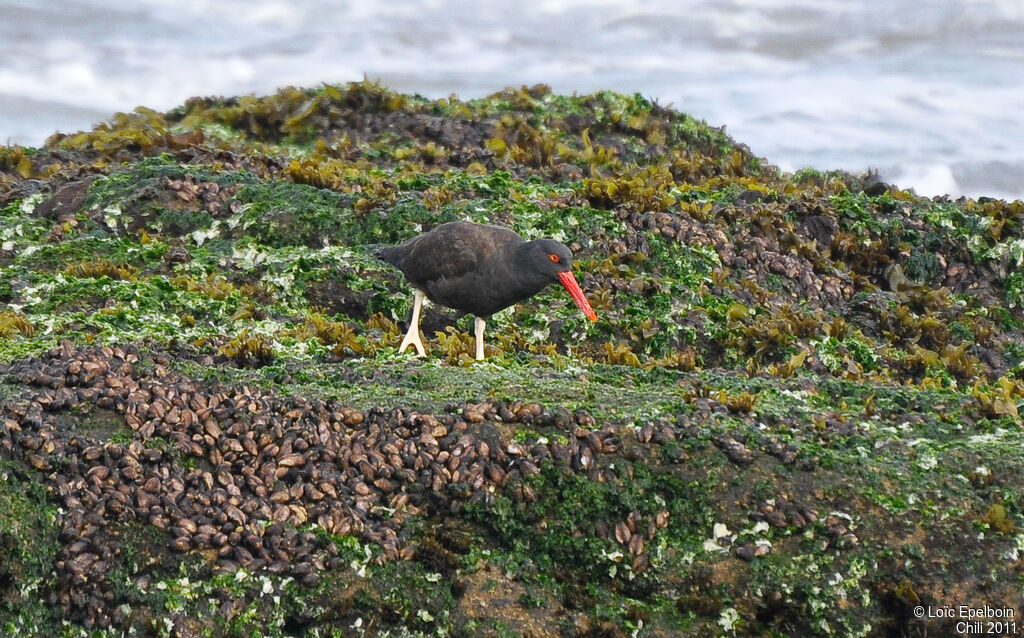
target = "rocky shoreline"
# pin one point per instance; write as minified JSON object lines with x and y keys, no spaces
{"x":797,"y":414}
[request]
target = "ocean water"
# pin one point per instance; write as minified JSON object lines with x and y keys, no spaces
{"x":928,"y":92}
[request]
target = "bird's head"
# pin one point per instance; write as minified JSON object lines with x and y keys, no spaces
{"x":554,"y":259}
{"x":550,"y":257}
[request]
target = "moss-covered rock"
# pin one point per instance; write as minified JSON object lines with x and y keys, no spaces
{"x":797,"y":414}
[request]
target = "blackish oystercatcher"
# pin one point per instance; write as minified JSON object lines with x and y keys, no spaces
{"x":479,"y":269}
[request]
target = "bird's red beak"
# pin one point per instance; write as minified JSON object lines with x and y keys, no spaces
{"x":569,"y":281}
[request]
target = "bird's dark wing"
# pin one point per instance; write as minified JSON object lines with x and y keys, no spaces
{"x":451,"y":251}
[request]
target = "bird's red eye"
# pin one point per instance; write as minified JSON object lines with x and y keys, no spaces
{"x":553,"y":257}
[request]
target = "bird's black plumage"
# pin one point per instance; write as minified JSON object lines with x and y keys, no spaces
{"x":477,"y":268}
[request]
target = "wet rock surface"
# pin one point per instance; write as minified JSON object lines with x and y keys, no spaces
{"x":798,"y":413}
{"x":234,"y":474}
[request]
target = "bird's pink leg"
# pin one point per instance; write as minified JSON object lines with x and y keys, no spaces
{"x":412,"y":337}
{"x":480,"y":324}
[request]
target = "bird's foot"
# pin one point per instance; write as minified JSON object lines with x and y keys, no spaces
{"x":413,"y":338}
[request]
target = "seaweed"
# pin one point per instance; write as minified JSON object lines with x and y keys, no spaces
{"x":798,"y":412}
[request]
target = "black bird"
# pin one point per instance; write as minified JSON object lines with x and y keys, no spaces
{"x":479,"y":269}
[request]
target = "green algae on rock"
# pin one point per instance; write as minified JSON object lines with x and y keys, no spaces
{"x":797,"y":415}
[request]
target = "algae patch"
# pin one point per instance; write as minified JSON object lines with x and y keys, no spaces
{"x":798,"y":414}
